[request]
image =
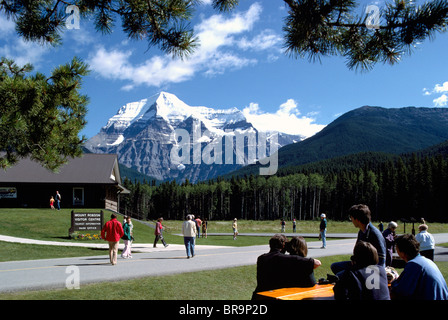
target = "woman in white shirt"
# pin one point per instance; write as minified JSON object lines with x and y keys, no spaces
{"x":426,"y":240}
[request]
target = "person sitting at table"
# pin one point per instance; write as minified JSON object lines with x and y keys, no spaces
{"x":420,"y":279}
{"x":297,"y":246}
{"x":365,"y":280}
{"x":361,"y":218}
{"x":276,"y":269}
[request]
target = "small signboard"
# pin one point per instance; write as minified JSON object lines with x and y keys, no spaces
{"x":86,"y":221}
{"x":8,"y":193}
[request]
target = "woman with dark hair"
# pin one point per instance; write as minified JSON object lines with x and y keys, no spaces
{"x":276,"y":269}
{"x":297,"y":246}
{"x":365,"y":280}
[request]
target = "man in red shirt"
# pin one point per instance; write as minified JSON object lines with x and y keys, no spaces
{"x":112,"y":233}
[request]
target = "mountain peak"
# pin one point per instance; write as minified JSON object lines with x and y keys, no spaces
{"x":141,"y":133}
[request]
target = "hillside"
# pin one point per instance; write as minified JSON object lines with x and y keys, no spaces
{"x":368,"y":129}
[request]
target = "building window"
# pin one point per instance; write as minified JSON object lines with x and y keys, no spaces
{"x":78,"y":196}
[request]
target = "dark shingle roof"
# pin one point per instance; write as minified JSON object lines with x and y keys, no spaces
{"x":90,"y":168}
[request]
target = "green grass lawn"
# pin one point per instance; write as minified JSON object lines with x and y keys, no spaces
{"x":225,"y":284}
{"x":235,"y":283}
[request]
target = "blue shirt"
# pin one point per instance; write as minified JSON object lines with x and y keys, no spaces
{"x":375,"y":237}
{"x":420,"y":280}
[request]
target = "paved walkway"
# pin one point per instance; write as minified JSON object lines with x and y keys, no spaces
{"x":146,"y":261}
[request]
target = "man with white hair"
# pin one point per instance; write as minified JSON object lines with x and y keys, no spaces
{"x":189,"y":233}
{"x":389,"y":235}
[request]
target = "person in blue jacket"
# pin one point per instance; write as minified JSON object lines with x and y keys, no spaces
{"x":420,"y":279}
{"x":365,"y":280}
{"x":360,"y":216}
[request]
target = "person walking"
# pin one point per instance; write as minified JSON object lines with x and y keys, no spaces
{"x":127,"y":238}
{"x":112,"y":232}
{"x":52,"y":203}
{"x":294,"y":225}
{"x":189,"y":233}
{"x":158,"y":233}
{"x":198,"y":226}
{"x":235,"y":228}
{"x":58,"y":200}
{"x":323,"y":230}
{"x":204,"y":228}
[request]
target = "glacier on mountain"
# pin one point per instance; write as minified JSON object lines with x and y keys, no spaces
{"x":142,"y":135}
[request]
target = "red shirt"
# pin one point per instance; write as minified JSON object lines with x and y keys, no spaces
{"x":113,"y":230}
{"x":159,"y":228}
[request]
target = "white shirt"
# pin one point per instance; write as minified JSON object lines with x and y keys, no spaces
{"x":189,"y":228}
{"x":426,"y":240}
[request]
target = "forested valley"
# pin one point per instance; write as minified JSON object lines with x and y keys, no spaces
{"x":394,"y":187}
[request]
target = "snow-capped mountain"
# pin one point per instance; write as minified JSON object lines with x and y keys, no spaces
{"x":165,"y":138}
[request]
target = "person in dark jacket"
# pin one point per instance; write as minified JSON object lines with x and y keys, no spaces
{"x":323,"y":230}
{"x":365,"y":280}
{"x":360,"y":216}
{"x":276,"y":269}
{"x":389,"y":236}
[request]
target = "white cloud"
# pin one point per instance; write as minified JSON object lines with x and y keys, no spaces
{"x":7,"y":26}
{"x":441,"y":88}
{"x":286,"y":119}
{"x":17,"y":49}
{"x":441,"y":101}
{"x":267,"y":39}
{"x":23,"y":52}
{"x":218,"y":39}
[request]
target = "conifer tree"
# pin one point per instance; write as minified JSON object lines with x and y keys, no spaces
{"x":41,"y":116}
{"x":317,"y":28}
{"x":313,"y":28}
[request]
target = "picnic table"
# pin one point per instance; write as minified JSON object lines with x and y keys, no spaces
{"x":318,"y":292}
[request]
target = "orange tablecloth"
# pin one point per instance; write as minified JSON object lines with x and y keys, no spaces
{"x":318,"y":292}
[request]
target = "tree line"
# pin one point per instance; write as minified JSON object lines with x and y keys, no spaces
{"x":401,"y":187}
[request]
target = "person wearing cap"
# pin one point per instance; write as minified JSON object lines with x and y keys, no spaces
{"x":426,"y":240}
{"x":323,"y":230}
{"x":389,"y":235}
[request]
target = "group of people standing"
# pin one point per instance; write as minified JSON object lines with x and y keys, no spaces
{"x":364,"y":277}
{"x":112,"y":232}
{"x":55,"y":200}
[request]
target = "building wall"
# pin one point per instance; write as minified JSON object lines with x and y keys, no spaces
{"x":38,"y":195}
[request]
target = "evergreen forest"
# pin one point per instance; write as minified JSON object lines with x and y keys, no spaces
{"x":395,"y":187}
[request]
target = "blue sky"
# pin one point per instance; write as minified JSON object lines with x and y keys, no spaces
{"x":240,"y":63}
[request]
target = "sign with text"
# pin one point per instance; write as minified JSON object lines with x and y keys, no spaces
{"x":8,"y":193}
{"x":86,"y":221}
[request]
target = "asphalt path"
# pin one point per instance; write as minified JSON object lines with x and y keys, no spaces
{"x":146,"y":261}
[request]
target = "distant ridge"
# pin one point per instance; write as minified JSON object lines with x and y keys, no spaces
{"x":368,"y":129}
